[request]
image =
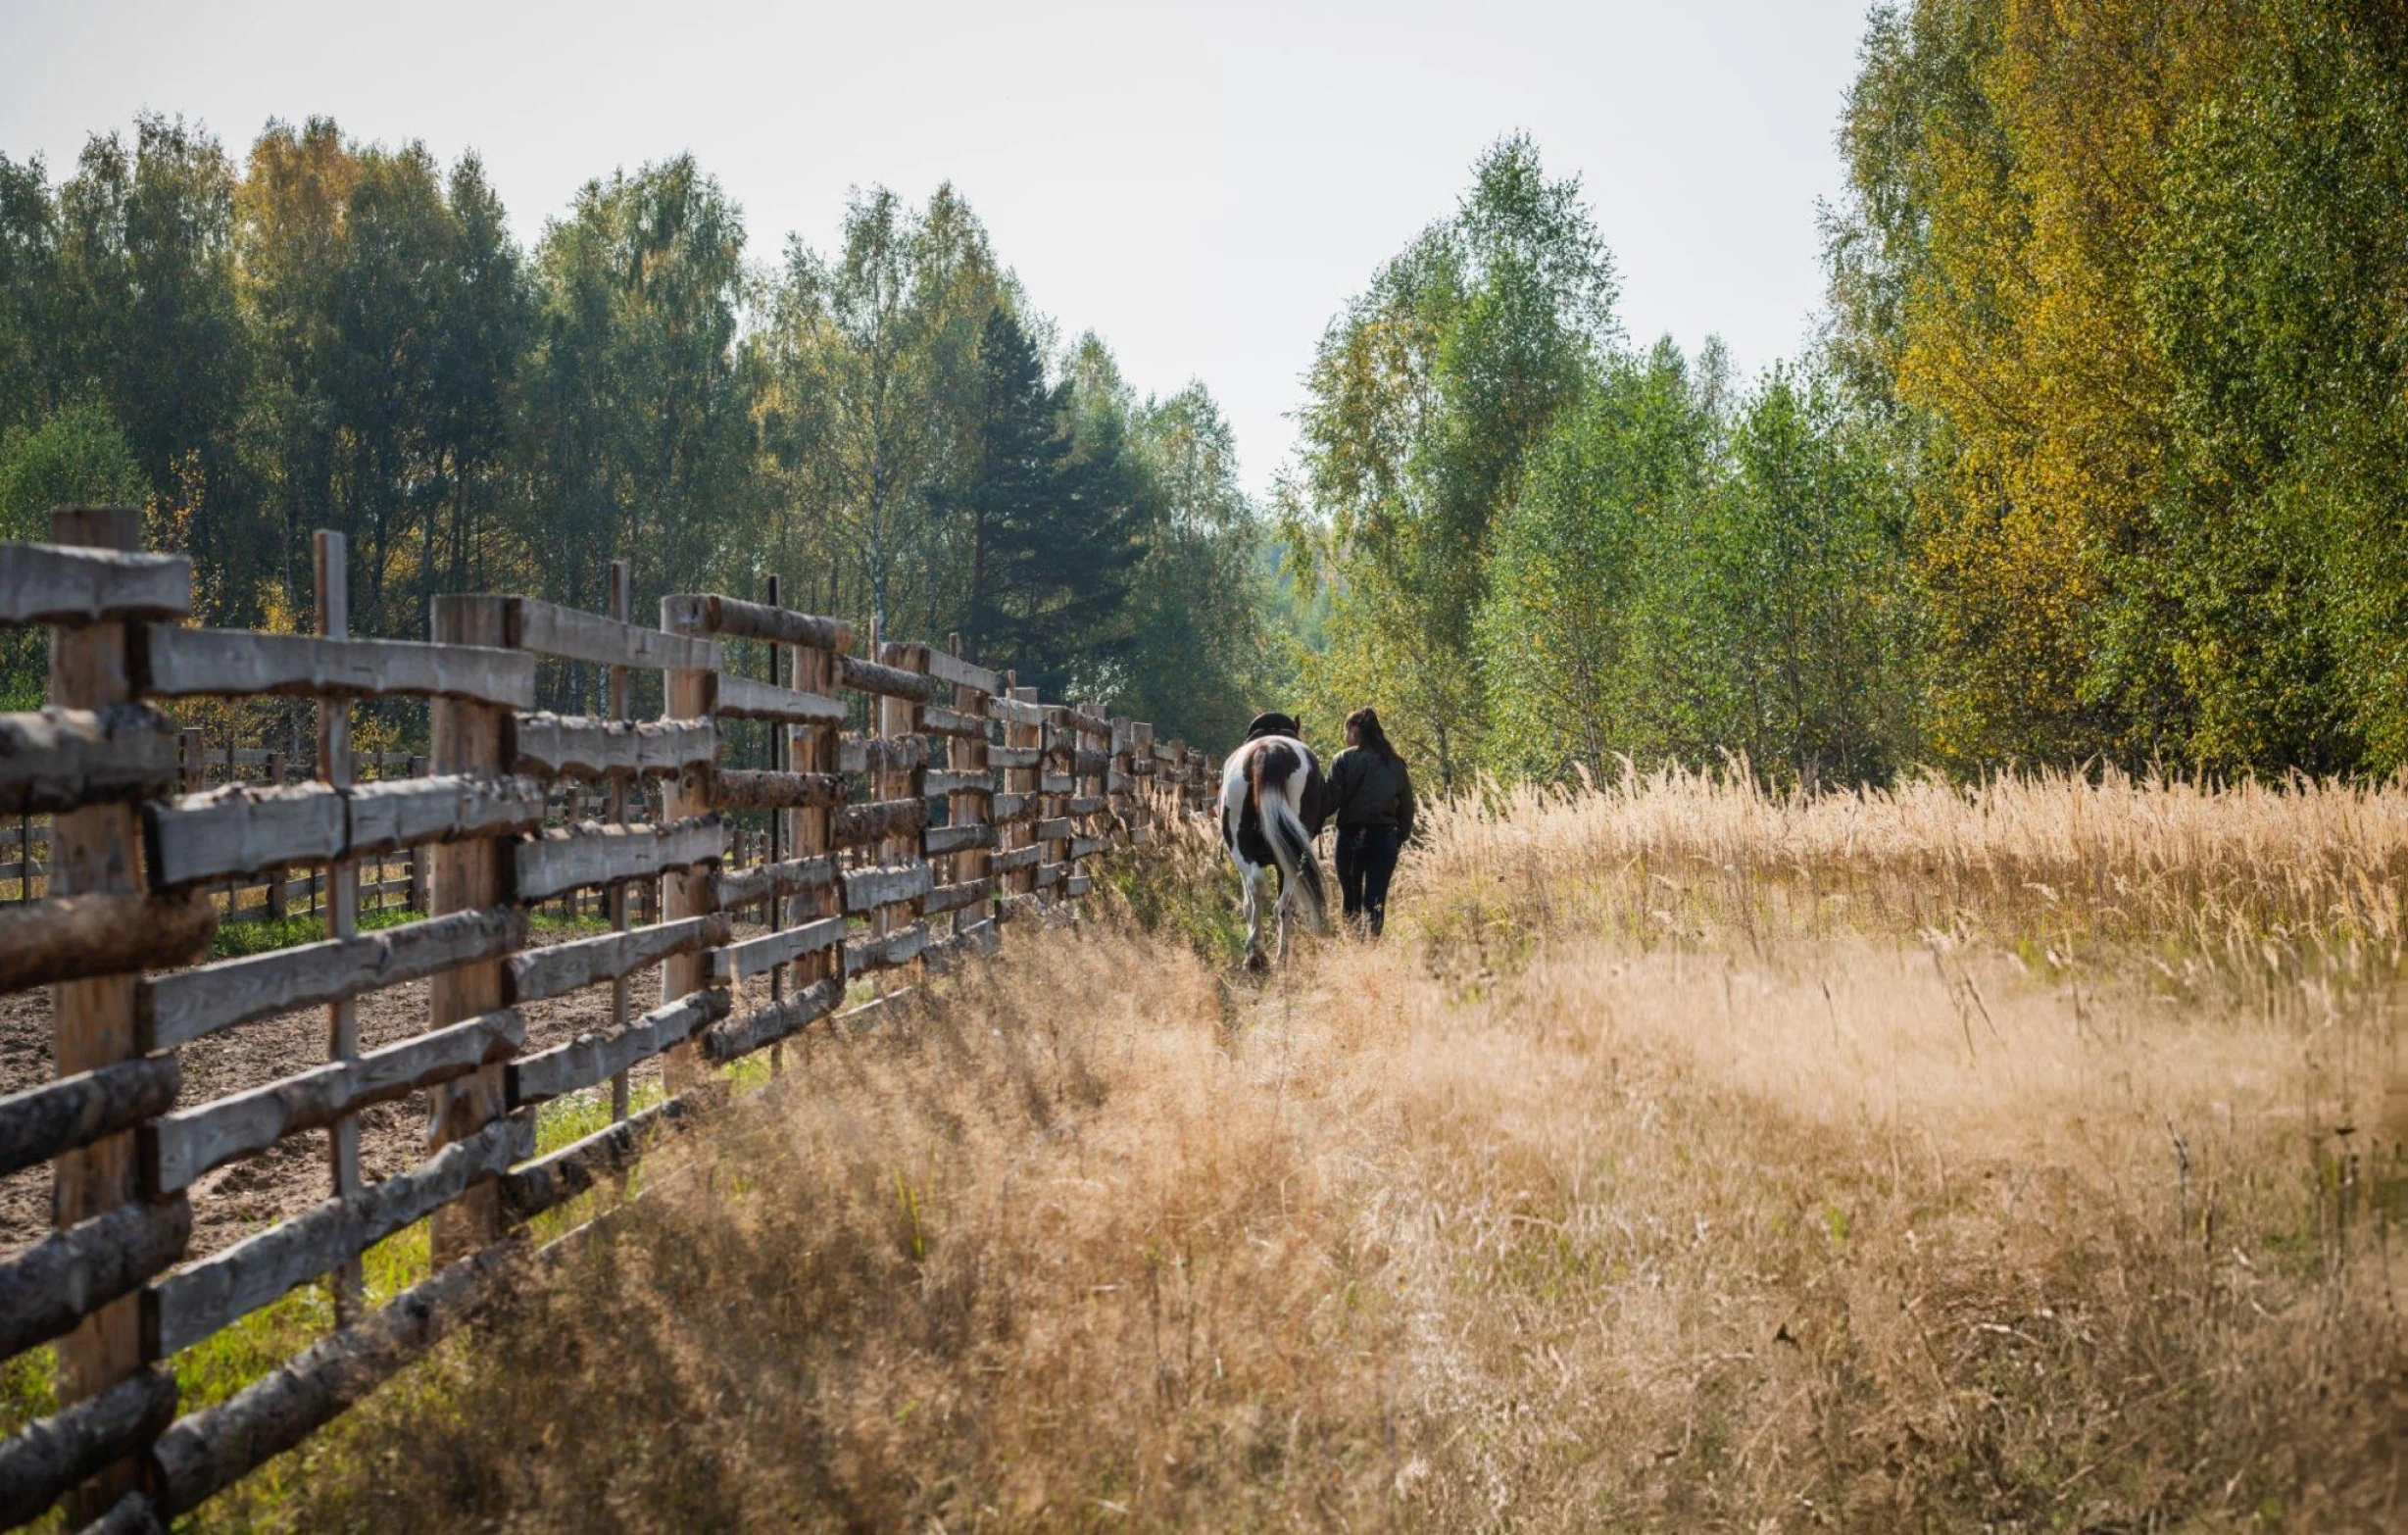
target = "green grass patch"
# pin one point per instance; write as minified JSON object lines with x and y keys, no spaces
{"x":223,"y":1363}
{"x":567,"y":1120}
{"x":545,"y":919}
{"x":744,"y":1074}
{"x":233,"y":940}
{"x":1198,"y":906}
{"x":29,"y":1389}
{"x":262,"y":935}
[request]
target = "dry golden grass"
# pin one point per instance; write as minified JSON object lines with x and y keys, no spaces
{"x":1687,"y":1160}
{"x":2250,"y":876}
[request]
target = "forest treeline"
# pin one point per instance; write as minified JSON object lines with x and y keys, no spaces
{"x":332,"y":335}
{"x":2100,"y":452}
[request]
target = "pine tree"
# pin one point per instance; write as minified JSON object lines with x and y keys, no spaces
{"x":1051,"y":516}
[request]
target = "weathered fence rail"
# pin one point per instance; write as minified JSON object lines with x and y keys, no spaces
{"x":866,"y":858}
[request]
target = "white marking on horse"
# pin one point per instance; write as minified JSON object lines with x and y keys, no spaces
{"x":1273,"y":800}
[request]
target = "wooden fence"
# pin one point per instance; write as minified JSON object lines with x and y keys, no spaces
{"x":399,"y":880}
{"x":874,"y":859}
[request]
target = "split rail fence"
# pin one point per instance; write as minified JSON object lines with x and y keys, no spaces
{"x":878,"y":856}
{"x":399,"y":880}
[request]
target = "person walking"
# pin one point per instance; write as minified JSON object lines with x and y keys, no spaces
{"x":1372,"y":796}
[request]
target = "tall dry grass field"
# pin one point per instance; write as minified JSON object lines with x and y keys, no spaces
{"x":1686,"y":1159}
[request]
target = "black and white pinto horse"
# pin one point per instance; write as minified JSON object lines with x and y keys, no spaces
{"x":1273,"y":802}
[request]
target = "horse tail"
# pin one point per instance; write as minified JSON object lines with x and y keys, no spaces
{"x":1283,"y":827}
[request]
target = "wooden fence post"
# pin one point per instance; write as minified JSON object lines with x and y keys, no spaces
{"x":92,"y":1021}
{"x":818,"y":749}
{"x":332,"y":571}
{"x":1061,"y":740}
{"x":900,"y":718}
{"x":422,"y":864}
{"x":1116,"y":785}
{"x":1027,"y":737}
{"x":882,"y":781}
{"x":233,"y":776}
{"x":278,"y":879}
{"x":1141,"y":782}
{"x":1094,"y":791}
{"x":469,"y":875}
{"x":780,"y":753}
{"x":192,"y":760}
{"x":622,"y":601}
{"x":968,"y":754}
{"x":686,"y":892}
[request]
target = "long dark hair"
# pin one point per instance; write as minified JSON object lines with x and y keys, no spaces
{"x":1365,"y":722}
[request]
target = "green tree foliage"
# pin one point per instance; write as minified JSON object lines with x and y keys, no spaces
{"x":1781,"y":610}
{"x":640,"y":439}
{"x":2100,"y":456}
{"x":873,"y":396}
{"x":346,"y":336}
{"x":2275,"y":290}
{"x":2130,"y":272}
{"x":147,"y":269}
{"x":1023,"y":601}
{"x":1547,"y":551}
{"x":290,"y":212}
{"x":1425,"y":398}
{"x":1202,"y":654}
{"x":1078,"y":559}
{"x":1578,"y":553}
{"x":147,"y":319}
{"x":924,"y":452}
{"x":30,"y":327}
{"x":483,"y":320}
{"x":74,"y":457}
{"x":385,"y":319}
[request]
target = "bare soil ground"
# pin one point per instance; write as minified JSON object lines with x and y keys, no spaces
{"x":240,"y":1198}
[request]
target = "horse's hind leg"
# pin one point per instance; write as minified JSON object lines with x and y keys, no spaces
{"x":1250,"y":876}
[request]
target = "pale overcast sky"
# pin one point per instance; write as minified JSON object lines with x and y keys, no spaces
{"x":1203,"y":185}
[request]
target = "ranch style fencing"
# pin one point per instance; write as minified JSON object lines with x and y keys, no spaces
{"x":872,"y":862}
{"x":400,"y":880}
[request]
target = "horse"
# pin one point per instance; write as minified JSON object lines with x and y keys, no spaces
{"x":1273,"y":803}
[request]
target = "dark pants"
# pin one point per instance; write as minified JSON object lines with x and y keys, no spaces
{"x":1366,"y":858}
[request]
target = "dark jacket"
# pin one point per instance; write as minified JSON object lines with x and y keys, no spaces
{"x":1367,"y":789}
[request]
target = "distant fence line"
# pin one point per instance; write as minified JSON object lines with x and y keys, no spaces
{"x":509,"y":808}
